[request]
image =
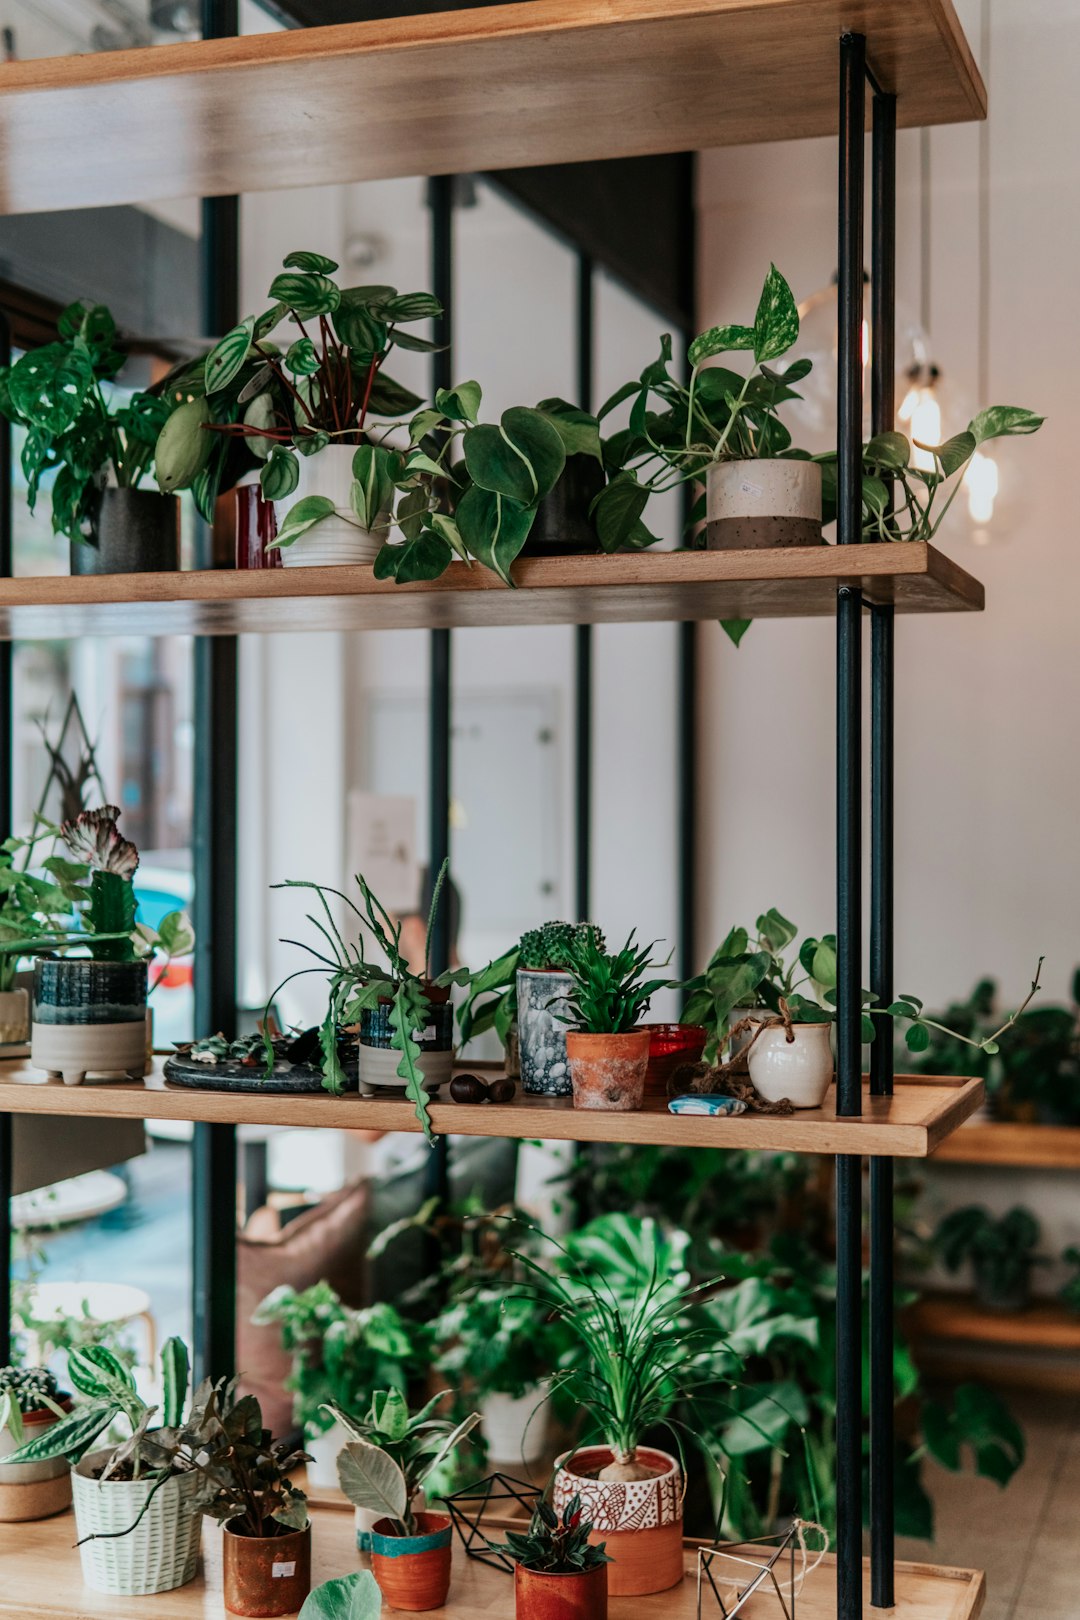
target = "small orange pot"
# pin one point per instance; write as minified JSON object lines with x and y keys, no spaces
{"x":413,"y":1572}
{"x":578,"y":1596}
{"x":608,"y":1071}
{"x":266,"y":1575}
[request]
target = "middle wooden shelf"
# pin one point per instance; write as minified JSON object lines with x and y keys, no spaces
{"x":910,"y":1124}
{"x":638,"y":587}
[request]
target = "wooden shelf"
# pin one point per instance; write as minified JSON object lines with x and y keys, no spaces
{"x":1046,"y":1325}
{"x":1026,"y":1147}
{"x":645,"y":587}
{"x":488,"y":88}
{"x":41,"y":1578}
{"x":909,"y":1124}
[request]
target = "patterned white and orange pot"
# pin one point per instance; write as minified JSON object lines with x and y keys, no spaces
{"x":640,"y":1521}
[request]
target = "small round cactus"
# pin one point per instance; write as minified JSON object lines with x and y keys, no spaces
{"x":551,"y":946}
{"x":31,"y":1386}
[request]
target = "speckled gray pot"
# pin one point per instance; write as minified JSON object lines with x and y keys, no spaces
{"x":545,"y":1071}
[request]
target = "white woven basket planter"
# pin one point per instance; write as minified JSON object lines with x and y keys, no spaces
{"x":159,"y":1554}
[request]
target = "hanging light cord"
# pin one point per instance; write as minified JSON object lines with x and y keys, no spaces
{"x":984,"y":219}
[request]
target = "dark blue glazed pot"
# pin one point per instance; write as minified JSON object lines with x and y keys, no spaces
{"x":436,"y":1036}
{"x":89,"y":1018}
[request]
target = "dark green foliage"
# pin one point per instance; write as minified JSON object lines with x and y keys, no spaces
{"x":551,"y":946}
{"x":610,"y":994}
{"x":245,"y":1474}
{"x":111,"y":911}
{"x":492,"y":999}
{"x":554,"y":1545}
{"x":1002,"y":1252}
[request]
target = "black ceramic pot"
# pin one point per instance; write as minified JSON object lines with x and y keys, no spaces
{"x":562,"y":524}
{"x":136,"y":531}
{"x":437,"y":1036}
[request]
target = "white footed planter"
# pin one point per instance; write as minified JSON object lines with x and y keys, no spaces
{"x":799,"y":1070}
{"x":89,"y":1017}
{"x":772,"y":502}
{"x":377,"y":1068}
{"x":323,"y":1451}
{"x":14,"y":1017}
{"x":335,"y":540}
{"x":163,"y":1549}
{"x":516,"y":1427}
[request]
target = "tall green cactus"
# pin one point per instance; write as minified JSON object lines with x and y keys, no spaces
{"x":111,"y":911}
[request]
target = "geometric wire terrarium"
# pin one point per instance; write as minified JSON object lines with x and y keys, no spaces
{"x":736,"y":1567}
{"x":468,"y":1506}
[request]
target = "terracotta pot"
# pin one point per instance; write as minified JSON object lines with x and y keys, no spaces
{"x":800,"y":1070}
{"x":34,"y":1490}
{"x":266,"y":1575}
{"x":608,"y":1071}
{"x":670,"y":1046}
{"x":640,"y":1523}
{"x":579,"y":1596}
{"x":769,"y":502}
{"x":413,"y":1572}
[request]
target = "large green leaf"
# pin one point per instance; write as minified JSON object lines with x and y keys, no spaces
{"x":184,"y":446}
{"x":390,"y":1413}
{"x":954,"y":453}
{"x":372,"y":1480}
{"x":260,"y":414}
{"x":776,"y":323}
{"x":888,"y":450}
{"x":390,"y":398}
{"x":281,"y":474}
{"x":69,"y":1438}
{"x":1000,"y":421}
{"x":617,"y":509}
{"x":313,"y":262}
{"x":306,"y":295}
{"x":373,"y":488}
{"x":521,"y":458}
{"x":493,"y":528}
{"x":49,"y":386}
{"x":579,"y":430}
{"x":425,"y":557}
{"x":302,"y":516}
{"x":302,"y":358}
{"x":419,"y":306}
{"x":735,"y":629}
{"x":461,"y":403}
{"x":719,"y":340}
{"x":361,"y":330}
{"x":350,"y":1597}
{"x":226,"y":358}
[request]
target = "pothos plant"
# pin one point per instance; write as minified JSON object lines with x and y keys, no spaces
{"x":356,"y":985}
{"x":60,"y":395}
{"x":327,"y":386}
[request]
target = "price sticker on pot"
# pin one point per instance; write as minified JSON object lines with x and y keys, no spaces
{"x":748,"y":488}
{"x":283,"y":1572}
{"x":428,"y":1034}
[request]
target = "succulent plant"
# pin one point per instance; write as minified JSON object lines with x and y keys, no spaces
{"x":554,"y":1545}
{"x":93,"y":837}
{"x":553,"y":945}
{"x":30,"y":1387}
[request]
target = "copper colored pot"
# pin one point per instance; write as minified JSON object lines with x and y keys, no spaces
{"x":608,"y":1071}
{"x":266,"y":1575}
{"x":579,"y":1596}
{"x":413,"y":1572}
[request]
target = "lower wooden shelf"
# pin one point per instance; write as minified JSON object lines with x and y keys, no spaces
{"x":1045,"y":1325}
{"x":910,"y":1124}
{"x":1001,"y":1142}
{"x":41,"y":1578}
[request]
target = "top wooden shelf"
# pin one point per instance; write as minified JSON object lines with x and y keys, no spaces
{"x":630,"y":588}
{"x":542,"y":81}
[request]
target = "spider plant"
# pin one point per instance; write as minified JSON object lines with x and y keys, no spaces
{"x":356,"y":984}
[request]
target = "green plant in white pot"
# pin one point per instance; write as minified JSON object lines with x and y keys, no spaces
{"x":30,"y":1405}
{"x":500,"y":1346}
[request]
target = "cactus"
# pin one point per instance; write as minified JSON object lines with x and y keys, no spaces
{"x":552,"y":946}
{"x":31,"y":1388}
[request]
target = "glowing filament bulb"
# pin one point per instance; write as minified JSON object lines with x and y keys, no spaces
{"x":981,"y":484}
{"x":920,"y":411}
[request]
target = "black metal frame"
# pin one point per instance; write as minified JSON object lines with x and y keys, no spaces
{"x":583,"y":633}
{"x":7,"y":1121}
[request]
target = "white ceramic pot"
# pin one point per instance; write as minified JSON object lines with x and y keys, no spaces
{"x":771,"y":502}
{"x":33,"y":1490}
{"x":366,"y":1519}
{"x":160,"y":1553}
{"x":376,"y":1068}
{"x":14,"y":1017}
{"x":800,"y":1069}
{"x":323,"y":1451}
{"x":115,"y":1051}
{"x":335,"y":540}
{"x":516,"y":1426}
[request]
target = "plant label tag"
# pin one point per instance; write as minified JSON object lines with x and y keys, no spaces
{"x":283,"y":1572}
{"x":747,"y":488}
{"x":428,"y":1034}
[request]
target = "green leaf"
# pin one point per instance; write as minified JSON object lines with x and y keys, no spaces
{"x":719,"y":340}
{"x":735,"y":629}
{"x":418,"y":345}
{"x":315,"y":262}
{"x":227,"y":357}
{"x":372,"y":1480}
{"x":522,"y":458}
{"x":461,"y":403}
{"x":391,"y":398}
{"x":390,"y":1413}
{"x":373,"y":489}
{"x":918,"y":1038}
{"x":493,"y":528}
{"x":175,"y":1374}
{"x":259,"y":415}
{"x":888,"y":450}
{"x":96,"y":1373}
{"x":350,"y":1597}
{"x":954,"y":453}
{"x":49,"y":386}
{"x":280,"y":475}
{"x":776,"y":323}
{"x":70,"y":1438}
{"x":617,"y":508}
{"x":310,"y":444}
{"x":419,"y":306}
{"x":1001,"y":421}
{"x":579,"y":430}
{"x":425,"y":557}
{"x":302,"y":358}
{"x":306,"y":295}
{"x":302,"y":516}
{"x":364,"y":332}
{"x":184,"y":446}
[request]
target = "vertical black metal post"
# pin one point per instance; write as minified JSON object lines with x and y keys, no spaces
{"x":441,"y":199}
{"x":213,"y":1191}
{"x":583,"y":633}
{"x":6,"y":817}
{"x":686,"y":809}
{"x":848,"y":835}
{"x":883,"y":404}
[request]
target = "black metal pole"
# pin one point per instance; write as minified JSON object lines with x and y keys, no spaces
{"x":686,"y":810}
{"x":883,"y":404}
{"x":441,"y":199}
{"x":213,"y":1189}
{"x":848,"y":836}
{"x":6,"y":816}
{"x":583,"y":633}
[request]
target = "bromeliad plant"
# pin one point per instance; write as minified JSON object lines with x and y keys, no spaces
{"x":60,"y":395}
{"x":492,"y":999}
{"x":609,"y":994}
{"x":554,"y":1544}
{"x":357,"y":984}
{"x":390,"y":1455}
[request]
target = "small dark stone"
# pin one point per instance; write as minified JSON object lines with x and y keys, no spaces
{"x":502,"y":1089}
{"x":468,"y":1088}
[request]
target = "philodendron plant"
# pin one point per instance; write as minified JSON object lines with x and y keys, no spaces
{"x":325,"y":387}
{"x":357,"y":984}
{"x":74,"y":430}
{"x":390,"y":1455}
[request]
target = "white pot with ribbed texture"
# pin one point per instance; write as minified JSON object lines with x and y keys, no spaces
{"x":799,"y":1070}
{"x":337,"y":540}
{"x":377,"y":1067}
{"x":322,"y":1450}
{"x":770,"y":502}
{"x":160,"y":1553}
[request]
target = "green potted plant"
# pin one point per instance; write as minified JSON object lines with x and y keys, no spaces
{"x":98,"y":449}
{"x":340,"y":1356}
{"x":559,"y":1573}
{"x":406,"y":1020}
{"x":246,"y":1486}
{"x":383,"y":1469}
{"x":136,"y":1507}
{"x":30,"y":1405}
{"x":28,"y":902}
{"x":1001,"y":1252}
{"x":1070,"y":1292}
{"x":307,"y":413}
{"x":606,"y":1047}
{"x":500,"y":1346}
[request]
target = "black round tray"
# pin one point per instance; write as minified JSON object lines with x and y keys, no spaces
{"x":234,"y":1076}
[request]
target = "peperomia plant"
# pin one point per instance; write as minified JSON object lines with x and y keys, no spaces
{"x":391,"y":1455}
{"x":357,"y":985}
{"x":59,"y":394}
